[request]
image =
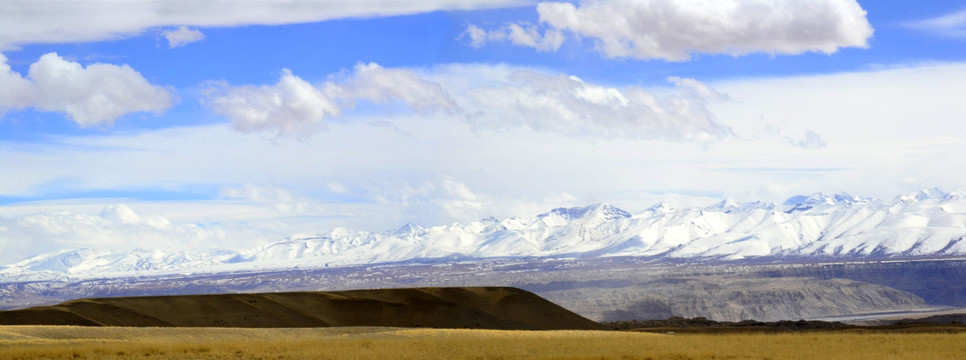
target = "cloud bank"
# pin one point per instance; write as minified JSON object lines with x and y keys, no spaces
{"x":116,"y":226}
{"x":501,"y":98}
{"x":676,"y":30}
{"x":93,"y":95}
{"x":866,"y":146}
{"x":281,"y":200}
{"x":31,"y":22}
{"x":568,"y":105}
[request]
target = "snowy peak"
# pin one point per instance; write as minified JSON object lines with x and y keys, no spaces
{"x":409,"y":231}
{"x":821,"y":201}
{"x":88,"y":263}
{"x":924,"y":194}
{"x":929,"y":223}
{"x":59,"y":261}
{"x":661,"y":208}
{"x":728,"y":206}
{"x":600,"y":211}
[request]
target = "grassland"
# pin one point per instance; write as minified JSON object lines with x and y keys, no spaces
{"x":75,"y":342}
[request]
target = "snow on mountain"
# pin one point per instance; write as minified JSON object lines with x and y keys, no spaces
{"x":84,"y":263}
{"x":822,"y":201}
{"x":927,"y":223}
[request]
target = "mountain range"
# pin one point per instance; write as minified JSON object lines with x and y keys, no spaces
{"x":928,"y":224}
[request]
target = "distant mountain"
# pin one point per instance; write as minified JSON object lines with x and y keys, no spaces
{"x":929,"y":223}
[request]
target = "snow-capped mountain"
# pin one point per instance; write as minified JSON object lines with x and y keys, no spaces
{"x":930,"y":223}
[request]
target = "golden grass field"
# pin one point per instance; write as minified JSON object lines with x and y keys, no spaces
{"x":75,"y":342}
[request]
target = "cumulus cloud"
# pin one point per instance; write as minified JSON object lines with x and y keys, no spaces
{"x":476,"y":35}
{"x":29,"y":21}
{"x":294,"y":108}
{"x":485,"y":97}
{"x":380,"y":85}
{"x":15,"y":91}
{"x":544,"y":102}
{"x":93,"y":95}
{"x":122,"y":214}
{"x":675,"y":30}
{"x":182,"y":36}
{"x":569,"y":105}
{"x":949,"y":25}
{"x":526,"y":35}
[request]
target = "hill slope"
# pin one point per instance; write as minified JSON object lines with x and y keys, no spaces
{"x":478,"y":307}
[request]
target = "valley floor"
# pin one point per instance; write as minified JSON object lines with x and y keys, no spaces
{"x":73,"y":342}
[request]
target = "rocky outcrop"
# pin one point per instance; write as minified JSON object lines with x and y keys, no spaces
{"x":730,"y":299}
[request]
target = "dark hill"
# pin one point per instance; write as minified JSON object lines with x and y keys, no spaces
{"x":477,"y":307}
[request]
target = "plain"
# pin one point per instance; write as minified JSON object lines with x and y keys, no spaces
{"x":75,"y":342}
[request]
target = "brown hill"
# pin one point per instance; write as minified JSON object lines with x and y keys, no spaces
{"x":478,"y":307}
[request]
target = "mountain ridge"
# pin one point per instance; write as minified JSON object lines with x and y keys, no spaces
{"x":439,"y":307}
{"x":929,"y":223}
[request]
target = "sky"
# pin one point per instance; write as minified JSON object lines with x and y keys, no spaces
{"x":183,"y":125}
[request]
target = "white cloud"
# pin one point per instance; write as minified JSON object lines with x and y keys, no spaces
{"x":122,"y":214}
{"x":336,"y":187}
{"x":675,"y":30}
{"x":810,"y":140}
{"x":697,"y":88}
{"x":182,"y":36}
{"x":15,"y":91}
{"x":444,"y":199}
{"x":281,"y":200}
{"x":798,"y":136}
{"x":500,"y":99}
{"x":246,"y":216}
{"x":568,"y":105}
{"x":380,"y":85}
{"x":886,"y":132}
{"x":28,"y":21}
{"x":949,"y":25}
{"x":116,"y":226}
{"x":476,"y":34}
{"x":882,"y":132}
{"x":526,"y":35}
{"x":95,"y":95}
{"x":294,"y":108}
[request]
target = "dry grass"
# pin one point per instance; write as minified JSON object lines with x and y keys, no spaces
{"x":68,"y":342}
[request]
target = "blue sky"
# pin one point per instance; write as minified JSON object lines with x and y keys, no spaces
{"x":241,"y":123}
